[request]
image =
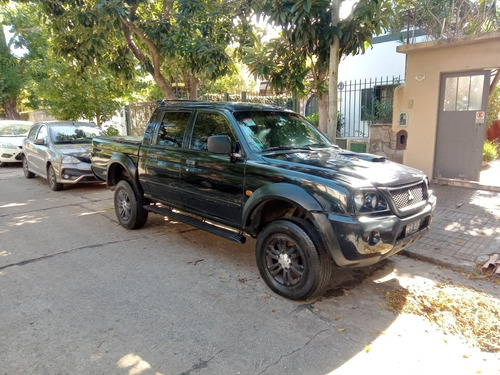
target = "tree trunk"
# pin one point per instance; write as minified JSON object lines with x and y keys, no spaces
{"x":10,"y":109}
{"x":333,"y":75}
{"x":155,"y":55}
{"x":323,"y":113}
{"x":191,"y":84}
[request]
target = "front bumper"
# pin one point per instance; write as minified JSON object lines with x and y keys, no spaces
{"x":10,"y":155}
{"x":76,"y":174}
{"x":366,"y":240}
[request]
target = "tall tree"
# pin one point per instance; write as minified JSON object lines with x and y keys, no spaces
{"x":11,"y":79}
{"x":66,"y":90}
{"x":171,"y":39}
{"x":14,"y":73}
{"x":302,"y":52}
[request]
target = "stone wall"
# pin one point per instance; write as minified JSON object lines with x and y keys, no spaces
{"x":384,"y":142}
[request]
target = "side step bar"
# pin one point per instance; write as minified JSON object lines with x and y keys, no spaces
{"x":233,"y":236}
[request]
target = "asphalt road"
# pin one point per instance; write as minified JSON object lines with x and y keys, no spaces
{"x":81,"y":295}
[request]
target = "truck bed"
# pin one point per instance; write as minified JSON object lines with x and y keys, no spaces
{"x":103,"y":149}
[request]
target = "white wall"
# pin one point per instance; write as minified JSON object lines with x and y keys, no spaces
{"x":379,"y":61}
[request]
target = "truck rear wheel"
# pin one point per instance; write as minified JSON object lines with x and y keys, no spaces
{"x":128,"y":208}
{"x":291,"y":261}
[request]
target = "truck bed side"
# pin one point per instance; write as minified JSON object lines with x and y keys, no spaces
{"x":106,"y":148}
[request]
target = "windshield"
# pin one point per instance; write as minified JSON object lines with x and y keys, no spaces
{"x":73,"y":134}
{"x":14,"y":130}
{"x":275,"y":130}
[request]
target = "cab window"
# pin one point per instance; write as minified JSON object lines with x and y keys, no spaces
{"x":172,"y":129}
{"x":208,"y":124}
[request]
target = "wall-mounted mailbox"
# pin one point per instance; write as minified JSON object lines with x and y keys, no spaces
{"x":401,"y":140}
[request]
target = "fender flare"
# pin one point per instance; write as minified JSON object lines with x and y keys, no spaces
{"x":124,"y":161}
{"x":280,"y":191}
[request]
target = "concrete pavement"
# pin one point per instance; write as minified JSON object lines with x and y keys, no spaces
{"x":465,"y":230}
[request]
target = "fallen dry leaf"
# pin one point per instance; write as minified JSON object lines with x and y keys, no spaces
{"x":456,"y":309}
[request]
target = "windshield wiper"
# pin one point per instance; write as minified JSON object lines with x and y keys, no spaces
{"x":292,"y":148}
{"x":285,"y":148}
{"x":316,"y":145}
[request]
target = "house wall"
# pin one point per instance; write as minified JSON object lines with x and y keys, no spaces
{"x":379,"y":60}
{"x":419,"y":97}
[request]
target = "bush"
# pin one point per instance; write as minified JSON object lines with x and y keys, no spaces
{"x":112,"y":131}
{"x":313,"y":119}
{"x":490,"y":151}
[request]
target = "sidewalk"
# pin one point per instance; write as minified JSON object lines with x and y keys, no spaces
{"x":465,"y":229}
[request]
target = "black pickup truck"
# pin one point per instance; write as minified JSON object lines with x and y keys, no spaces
{"x":240,"y":170}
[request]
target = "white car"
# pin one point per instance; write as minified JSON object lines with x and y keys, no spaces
{"x":12,"y":133}
{"x":60,"y":152}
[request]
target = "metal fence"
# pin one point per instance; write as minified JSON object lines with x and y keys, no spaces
{"x":362,"y":102}
{"x":138,"y":114}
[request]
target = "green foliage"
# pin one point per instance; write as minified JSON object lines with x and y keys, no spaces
{"x":182,"y":40}
{"x":234,"y":82}
{"x":302,"y":48}
{"x":448,"y":19}
{"x":313,"y":119}
{"x":12,"y":73}
{"x":368,"y":19}
{"x":298,"y":61}
{"x":490,"y":151}
{"x":382,"y":112}
{"x":73,"y":94}
{"x":111,"y":130}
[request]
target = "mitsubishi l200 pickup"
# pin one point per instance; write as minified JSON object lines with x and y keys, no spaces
{"x":239,"y":169}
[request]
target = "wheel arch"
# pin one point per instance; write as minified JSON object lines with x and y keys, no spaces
{"x":275,"y":201}
{"x":122,"y":167}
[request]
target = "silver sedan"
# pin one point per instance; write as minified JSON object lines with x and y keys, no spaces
{"x":60,"y":152}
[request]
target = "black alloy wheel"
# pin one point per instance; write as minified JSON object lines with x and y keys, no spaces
{"x":290,"y":259}
{"x":129,"y":210}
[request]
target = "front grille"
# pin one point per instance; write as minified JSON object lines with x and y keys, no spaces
{"x":409,"y":196}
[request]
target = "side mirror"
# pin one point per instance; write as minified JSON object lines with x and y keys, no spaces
{"x":219,"y":144}
{"x":39,"y":141}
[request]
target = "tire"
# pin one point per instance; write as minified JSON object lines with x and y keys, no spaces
{"x":291,"y":260}
{"x":26,"y":171}
{"x":52,"y":179}
{"x":128,"y":208}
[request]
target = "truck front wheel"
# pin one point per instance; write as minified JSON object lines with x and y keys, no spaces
{"x":290,"y":259}
{"x":129,"y":209}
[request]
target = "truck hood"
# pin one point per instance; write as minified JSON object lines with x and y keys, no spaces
{"x":353,"y":168}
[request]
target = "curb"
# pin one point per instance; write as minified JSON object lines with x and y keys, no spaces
{"x":467,"y":267}
{"x":464,"y":183}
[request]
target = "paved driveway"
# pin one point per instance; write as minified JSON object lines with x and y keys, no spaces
{"x":81,"y":295}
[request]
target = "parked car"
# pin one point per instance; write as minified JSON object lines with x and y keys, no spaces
{"x":234,"y":169}
{"x":60,"y":152}
{"x":12,"y":133}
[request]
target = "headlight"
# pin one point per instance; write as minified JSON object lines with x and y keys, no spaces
{"x":368,"y":201}
{"x":8,"y":145}
{"x":68,"y":159}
